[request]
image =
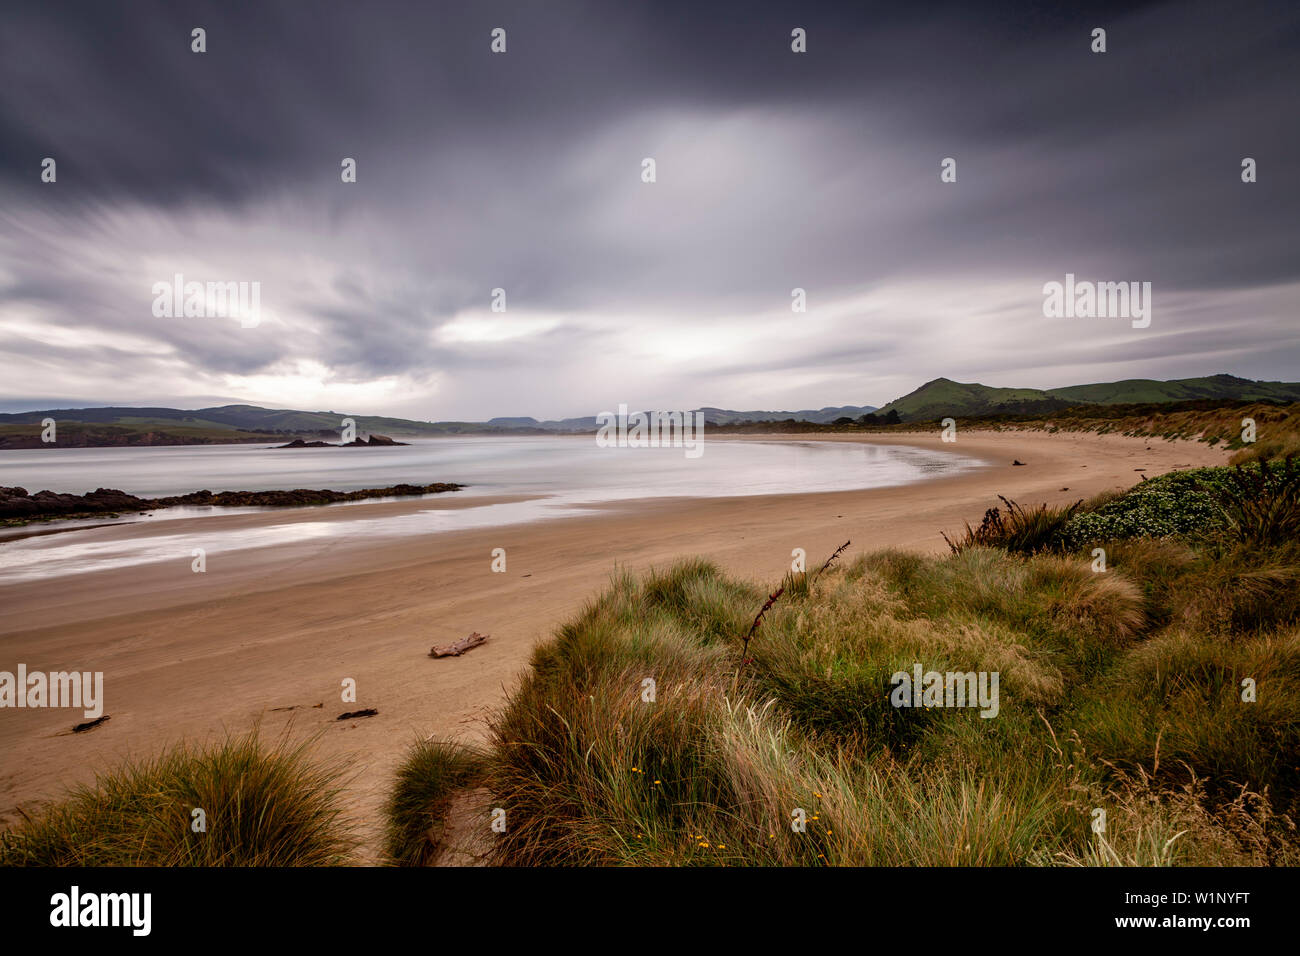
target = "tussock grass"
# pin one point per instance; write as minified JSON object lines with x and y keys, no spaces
{"x":1179,"y":696}
{"x":431,"y":774}
{"x":1260,"y":505}
{"x":1018,"y":529}
{"x":1149,"y":825}
{"x":1065,"y":611}
{"x":265,"y":806}
{"x":1222,"y":589}
{"x":1120,"y":690}
{"x":1278,"y":434}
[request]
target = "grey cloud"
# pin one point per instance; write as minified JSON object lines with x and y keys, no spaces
{"x":522,"y":171}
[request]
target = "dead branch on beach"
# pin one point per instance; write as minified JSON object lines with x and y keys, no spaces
{"x":353,"y":714}
{"x":460,"y":647}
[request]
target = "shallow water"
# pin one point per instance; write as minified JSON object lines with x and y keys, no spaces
{"x":567,"y":474}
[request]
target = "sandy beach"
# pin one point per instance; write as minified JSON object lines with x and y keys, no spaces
{"x":270,"y":637}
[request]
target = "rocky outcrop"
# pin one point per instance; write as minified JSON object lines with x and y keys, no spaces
{"x":355,"y":443}
{"x":18,"y":503}
{"x":298,"y":496}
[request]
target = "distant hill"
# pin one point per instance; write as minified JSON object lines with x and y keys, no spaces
{"x":250,"y":418}
{"x":944,"y":398}
{"x":128,"y":425}
{"x":935,"y":400}
{"x":712,"y":416}
{"x":722,"y":416}
{"x":1135,"y":390}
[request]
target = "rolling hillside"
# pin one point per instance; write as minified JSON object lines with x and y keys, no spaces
{"x":128,"y":425}
{"x":935,"y":400}
{"x":1138,"y":390}
{"x":943,"y":397}
{"x":712,"y":416}
{"x":245,"y":417}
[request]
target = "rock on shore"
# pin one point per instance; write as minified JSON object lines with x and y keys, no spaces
{"x":355,"y":443}
{"x":19,"y":503}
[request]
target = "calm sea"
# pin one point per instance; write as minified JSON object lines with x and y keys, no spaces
{"x":568,"y":475}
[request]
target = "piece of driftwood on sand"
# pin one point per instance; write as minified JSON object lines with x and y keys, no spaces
{"x":459,"y":647}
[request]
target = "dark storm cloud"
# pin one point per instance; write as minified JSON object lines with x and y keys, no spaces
{"x":521,"y":171}
{"x":285,"y":85}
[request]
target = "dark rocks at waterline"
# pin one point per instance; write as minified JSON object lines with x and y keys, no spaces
{"x":355,"y":443}
{"x":299,"y":496}
{"x":19,"y":503}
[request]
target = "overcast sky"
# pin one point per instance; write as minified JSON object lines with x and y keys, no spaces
{"x":523,"y":171}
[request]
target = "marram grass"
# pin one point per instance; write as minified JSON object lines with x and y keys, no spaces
{"x":261,"y":806}
{"x":414,"y":816}
{"x":1123,"y":700}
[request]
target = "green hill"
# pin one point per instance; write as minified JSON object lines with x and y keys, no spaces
{"x":250,"y":418}
{"x":1135,"y":390}
{"x":943,"y":397}
{"x":933,"y":401}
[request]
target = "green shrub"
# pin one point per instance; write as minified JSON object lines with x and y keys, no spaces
{"x":1259,"y":504}
{"x":1256,"y":503}
{"x":1179,"y":503}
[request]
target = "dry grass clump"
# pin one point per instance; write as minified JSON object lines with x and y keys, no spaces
{"x":263,"y":806}
{"x":798,"y":757}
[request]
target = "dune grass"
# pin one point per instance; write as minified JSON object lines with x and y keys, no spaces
{"x":262,"y":806}
{"x":415,"y":814}
{"x":1099,"y":710}
{"x":1123,"y":695}
{"x":1017,"y":528}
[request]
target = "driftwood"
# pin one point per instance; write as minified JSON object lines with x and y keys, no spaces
{"x":459,"y":647}
{"x":368,"y":712}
